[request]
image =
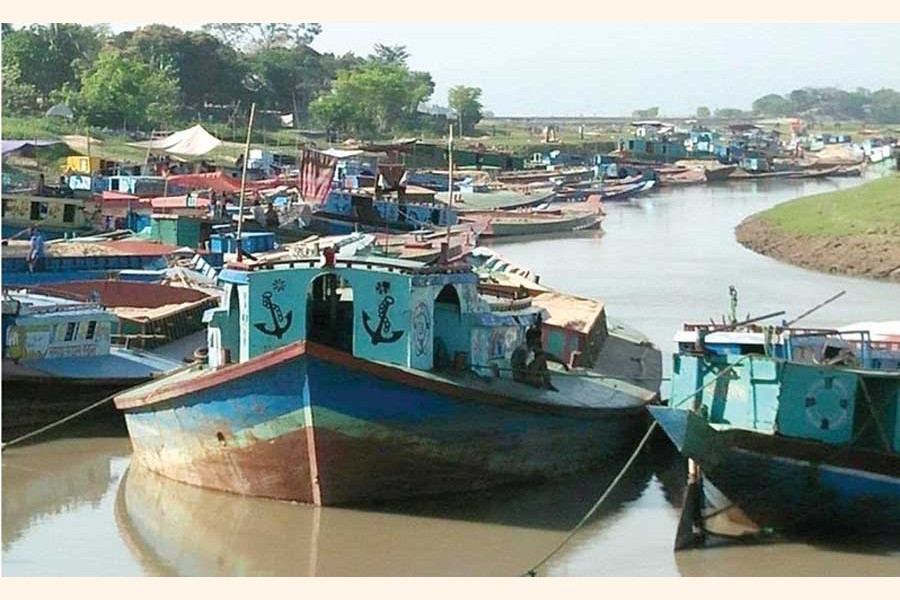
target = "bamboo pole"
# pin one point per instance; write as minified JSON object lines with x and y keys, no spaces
{"x":147,"y":156}
{"x":240,"y":226}
{"x":449,"y":186}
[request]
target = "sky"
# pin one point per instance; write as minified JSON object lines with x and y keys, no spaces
{"x":612,"y":69}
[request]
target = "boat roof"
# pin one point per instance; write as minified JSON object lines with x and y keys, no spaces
{"x":721,"y":337}
{"x":233,"y":271}
{"x":570,"y":312}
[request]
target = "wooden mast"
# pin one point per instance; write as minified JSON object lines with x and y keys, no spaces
{"x":240,"y":226}
{"x":449,"y":187}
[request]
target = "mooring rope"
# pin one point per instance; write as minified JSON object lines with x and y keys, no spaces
{"x":532,"y":572}
{"x":80,"y":412}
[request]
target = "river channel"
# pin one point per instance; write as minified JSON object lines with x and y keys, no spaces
{"x":75,"y":506}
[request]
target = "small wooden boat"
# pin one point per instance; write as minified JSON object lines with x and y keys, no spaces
{"x":616,"y":193}
{"x":815,"y":173}
{"x":537,"y":176}
{"x":353,"y":380}
{"x":848,"y":172}
{"x":718,"y":172}
{"x":509,"y":224}
{"x":683,"y":177}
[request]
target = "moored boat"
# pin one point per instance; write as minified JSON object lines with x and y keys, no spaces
{"x":351,"y":380}
{"x":59,"y":356}
{"x":799,"y":433}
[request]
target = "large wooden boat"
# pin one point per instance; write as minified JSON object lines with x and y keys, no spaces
{"x":59,"y":356}
{"x":799,"y":433}
{"x":550,"y":219}
{"x":350,"y":380}
{"x":55,"y":216}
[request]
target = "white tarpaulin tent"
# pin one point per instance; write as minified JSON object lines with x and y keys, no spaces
{"x":195,"y":141}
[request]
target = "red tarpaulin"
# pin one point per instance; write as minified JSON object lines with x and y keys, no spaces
{"x":316,"y":173}
{"x":220,"y":182}
{"x":178,"y":202}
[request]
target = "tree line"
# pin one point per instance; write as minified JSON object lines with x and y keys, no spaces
{"x":159,"y":76}
{"x":880,"y":106}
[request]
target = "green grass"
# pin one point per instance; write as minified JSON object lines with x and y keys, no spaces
{"x":872,"y":208}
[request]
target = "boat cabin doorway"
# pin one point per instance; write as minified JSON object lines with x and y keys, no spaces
{"x":329,"y":312}
{"x":449,"y":340}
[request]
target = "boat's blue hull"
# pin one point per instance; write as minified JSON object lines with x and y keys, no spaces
{"x":788,"y":484}
{"x":331,"y":429}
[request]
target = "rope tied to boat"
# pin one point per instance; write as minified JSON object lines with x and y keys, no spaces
{"x":532,"y":572}
{"x":82,"y":411}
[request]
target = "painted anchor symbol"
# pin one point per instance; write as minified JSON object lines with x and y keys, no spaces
{"x":382,"y":332}
{"x":278,"y":329}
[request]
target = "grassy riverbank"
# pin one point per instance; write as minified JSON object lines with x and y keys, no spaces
{"x":851,"y":232}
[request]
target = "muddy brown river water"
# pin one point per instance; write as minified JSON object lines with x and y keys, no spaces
{"x":75,"y":505}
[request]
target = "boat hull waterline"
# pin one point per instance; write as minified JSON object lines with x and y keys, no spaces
{"x":311,"y":424}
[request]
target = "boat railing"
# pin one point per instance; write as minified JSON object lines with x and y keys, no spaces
{"x":60,"y":308}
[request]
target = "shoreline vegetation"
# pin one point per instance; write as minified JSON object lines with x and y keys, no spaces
{"x":853,"y":232}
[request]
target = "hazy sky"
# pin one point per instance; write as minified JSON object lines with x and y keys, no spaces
{"x":611,"y":69}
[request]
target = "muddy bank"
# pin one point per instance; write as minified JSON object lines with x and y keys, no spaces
{"x":870,"y":255}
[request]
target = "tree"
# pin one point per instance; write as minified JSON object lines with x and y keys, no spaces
{"x":647,"y":113}
{"x":773,"y":105}
{"x":372,"y":98}
{"x":119,"y":90}
{"x":251,"y":37}
{"x":49,"y":56}
{"x":290,"y":78}
{"x":390,"y":54}
{"x":466,"y":101}
{"x":703,"y":112}
{"x":18,"y":96}
{"x":730,"y":113}
{"x":207,"y":69}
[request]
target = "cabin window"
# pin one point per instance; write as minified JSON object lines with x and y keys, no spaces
{"x":631,"y":144}
{"x":38,"y":211}
{"x":71,"y":329}
{"x":69,"y":213}
{"x":91,"y":329}
{"x":329,"y":312}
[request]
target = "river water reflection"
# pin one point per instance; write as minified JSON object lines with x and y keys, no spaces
{"x":77,"y":507}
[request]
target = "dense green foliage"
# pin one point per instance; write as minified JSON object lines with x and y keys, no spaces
{"x":646,"y":113}
{"x":119,"y":90}
{"x":375,"y":96}
{"x":466,"y":101}
{"x":160,"y":77}
{"x":881,"y":106}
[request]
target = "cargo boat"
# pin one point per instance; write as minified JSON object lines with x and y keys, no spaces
{"x":350,"y":380}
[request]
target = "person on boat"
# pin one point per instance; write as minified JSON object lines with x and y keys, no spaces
{"x":35,"y":250}
{"x":40,"y":185}
{"x":259,"y":213}
{"x":64,"y":190}
{"x":529,"y":361}
{"x":272,"y":221}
